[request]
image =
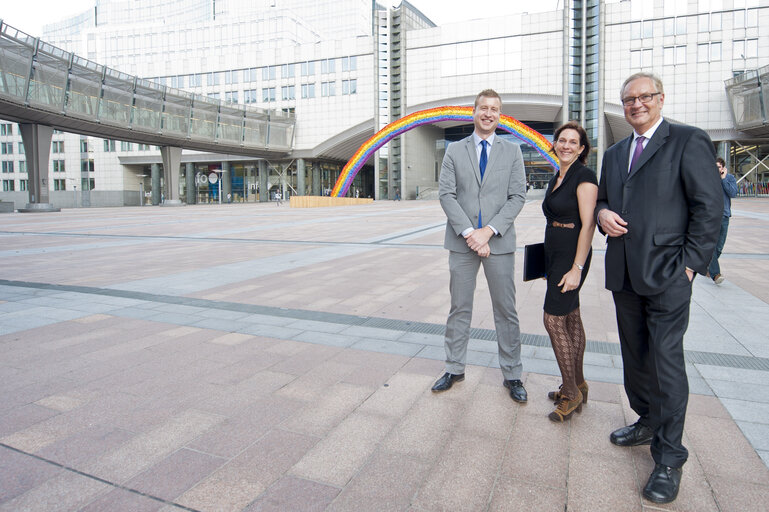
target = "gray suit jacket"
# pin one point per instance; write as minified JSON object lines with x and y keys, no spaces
{"x":499,"y":197}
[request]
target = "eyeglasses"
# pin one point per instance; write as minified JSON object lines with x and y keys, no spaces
{"x":645,"y":98}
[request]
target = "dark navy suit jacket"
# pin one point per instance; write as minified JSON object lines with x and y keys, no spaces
{"x":673,"y":204}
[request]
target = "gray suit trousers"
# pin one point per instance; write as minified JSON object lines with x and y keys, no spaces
{"x":499,"y":271}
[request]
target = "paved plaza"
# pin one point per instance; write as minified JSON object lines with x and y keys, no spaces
{"x":254,"y":357}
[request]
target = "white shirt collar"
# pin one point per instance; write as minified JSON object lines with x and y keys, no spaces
{"x":477,"y":139}
{"x":648,"y":133}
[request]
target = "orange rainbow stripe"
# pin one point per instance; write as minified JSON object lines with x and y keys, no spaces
{"x":431,"y":116}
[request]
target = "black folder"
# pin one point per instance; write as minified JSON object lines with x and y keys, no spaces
{"x":534,"y":261}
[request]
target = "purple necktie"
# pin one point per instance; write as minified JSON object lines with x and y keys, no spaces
{"x":639,"y":146}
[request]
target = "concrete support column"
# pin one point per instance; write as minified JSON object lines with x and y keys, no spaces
{"x":283,"y":181}
{"x":226,"y":181}
{"x":316,"y":179}
{"x":249,"y":177}
{"x":264,"y":192}
{"x":300,"y":172}
{"x":172,"y":158}
{"x":723,"y":149}
{"x":189,"y":178}
{"x":37,"y":147}
{"x":155,"y":178}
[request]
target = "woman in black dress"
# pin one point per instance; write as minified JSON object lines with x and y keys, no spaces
{"x":569,"y":207}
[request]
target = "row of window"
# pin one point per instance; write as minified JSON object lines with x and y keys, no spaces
{"x":6,"y":129}
{"x":86,"y":165}
{"x":9,"y":185}
{"x":288,"y":92}
{"x":249,"y":75}
{"x":58,"y":184}
{"x":109,"y":146}
{"x":705,"y":23}
{"x":706,"y":52}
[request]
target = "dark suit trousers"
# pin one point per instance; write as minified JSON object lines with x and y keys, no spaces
{"x":651,"y":332}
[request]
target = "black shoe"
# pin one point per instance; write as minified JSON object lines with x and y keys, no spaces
{"x":447,"y":381}
{"x":663,"y":483}
{"x":517,"y":391}
{"x":632,"y":435}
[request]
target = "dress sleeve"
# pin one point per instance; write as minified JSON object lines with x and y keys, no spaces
{"x":586,"y":174}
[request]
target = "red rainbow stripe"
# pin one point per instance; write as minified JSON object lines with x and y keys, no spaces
{"x":431,"y":116}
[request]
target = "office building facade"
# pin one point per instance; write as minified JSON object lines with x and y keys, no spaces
{"x":347,"y":68}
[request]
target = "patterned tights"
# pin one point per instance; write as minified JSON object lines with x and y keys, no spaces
{"x":567,"y":336}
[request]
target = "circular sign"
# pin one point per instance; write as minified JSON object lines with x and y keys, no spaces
{"x":213,"y":178}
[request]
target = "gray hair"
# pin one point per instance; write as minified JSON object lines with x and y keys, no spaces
{"x":643,"y":74}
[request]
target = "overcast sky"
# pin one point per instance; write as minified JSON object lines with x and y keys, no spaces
{"x":30,"y":15}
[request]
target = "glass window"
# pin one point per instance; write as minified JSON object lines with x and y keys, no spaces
{"x":8,"y":186}
{"x":681,"y":25}
{"x":703,"y":23}
{"x":21,"y":148}
{"x":715,"y":21}
{"x":6,"y":129}
{"x":648,"y":28}
{"x":23,"y":185}
{"x":715,"y":51}
{"x":328,"y":66}
{"x":7,"y":148}
{"x":680,"y":54}
{"x":268,"y":72}
{"x":738,"y":48}
{"x":287,"y":92}
{"x":668,"y":55}
{"x":7,"y":166}
{"x":287,"y":71}
{"x":751,"y":48}
{"x":646,"y":57}
{"x":83,"y":146}
{"x":308,"y":68}
{"x":703,"y":52}
{"x":308,"y":90}
{"x":268,"y":94}
{"x":669,"y":26}
{"x":23,"y":166}
{"x":739,"y":19}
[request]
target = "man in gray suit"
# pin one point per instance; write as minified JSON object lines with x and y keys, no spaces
{"x":482,"y":189}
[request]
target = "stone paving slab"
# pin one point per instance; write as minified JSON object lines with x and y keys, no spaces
{"x":261,"y":358}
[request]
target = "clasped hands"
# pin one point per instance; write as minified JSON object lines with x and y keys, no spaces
{"x":478,"y":241}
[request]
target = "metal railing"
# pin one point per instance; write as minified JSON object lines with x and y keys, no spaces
{"x":40,"y":76}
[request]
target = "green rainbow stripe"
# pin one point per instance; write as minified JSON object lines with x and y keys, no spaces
{"x":431,"y":116}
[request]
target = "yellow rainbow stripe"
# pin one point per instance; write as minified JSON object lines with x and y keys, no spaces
{"x":431,"y":116}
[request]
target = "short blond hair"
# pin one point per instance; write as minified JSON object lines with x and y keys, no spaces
{"x":488,"y":93}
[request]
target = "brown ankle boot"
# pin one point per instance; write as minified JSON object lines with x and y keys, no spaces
{"x":583,"y":388}
{"x":564,"y":408}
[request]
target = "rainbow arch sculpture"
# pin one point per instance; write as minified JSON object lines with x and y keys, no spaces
{"x":430,"y":116}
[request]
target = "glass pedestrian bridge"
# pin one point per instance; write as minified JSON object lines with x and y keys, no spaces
{"x":749,"y":100}
{"x":43,"y":84}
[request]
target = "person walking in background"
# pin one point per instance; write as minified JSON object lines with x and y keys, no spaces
{"x":482,"y":188}
{"x":569,"y":206}
{"x":659,"y":203}
{"x":729,"y":186}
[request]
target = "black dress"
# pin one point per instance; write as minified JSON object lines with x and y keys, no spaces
{"x":560,"y":205}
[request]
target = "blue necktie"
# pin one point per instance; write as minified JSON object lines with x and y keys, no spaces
{"x":484,"y":157}
{"x":482,"y":165}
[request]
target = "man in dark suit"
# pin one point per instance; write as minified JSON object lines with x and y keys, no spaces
{"x":659,"y":202}
{"x":482,"y":188}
